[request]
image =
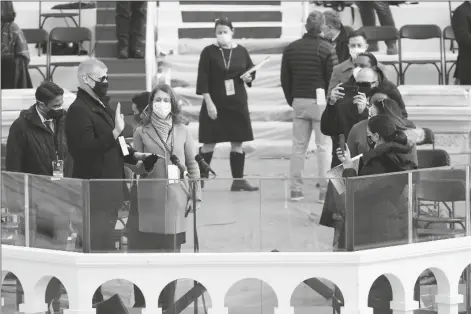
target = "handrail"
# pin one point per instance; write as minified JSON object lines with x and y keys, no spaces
{"x":151,"y":66}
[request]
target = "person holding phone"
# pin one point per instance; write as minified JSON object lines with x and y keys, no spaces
{"x":224,"y":115}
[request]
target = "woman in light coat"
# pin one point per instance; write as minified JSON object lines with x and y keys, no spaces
{"x":160,"y":222}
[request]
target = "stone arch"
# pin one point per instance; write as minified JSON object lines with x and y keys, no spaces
{"x":126,"y":289}
{"x":463,"y":280}
{"x":430,"y":282}
{"x":11,"y":290}
{"x":52,"y":288}
{"x":183,"y":292}
{"x":266,"y":294}
{"x":383,"y":290}
{"x":316,"y":291}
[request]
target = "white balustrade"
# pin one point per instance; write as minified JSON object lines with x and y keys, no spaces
{"x":353,"y":273}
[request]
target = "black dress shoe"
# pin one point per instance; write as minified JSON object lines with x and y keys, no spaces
{"x":138,"y":54}
{"x":123,"y":54}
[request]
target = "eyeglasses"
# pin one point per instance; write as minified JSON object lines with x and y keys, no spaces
{"x":101,"y":79}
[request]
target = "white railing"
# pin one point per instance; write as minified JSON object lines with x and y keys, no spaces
{"x":151,"y":24}
{"x":353,"y":273}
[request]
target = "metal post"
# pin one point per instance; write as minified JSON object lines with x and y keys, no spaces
{"x":27,"y":209}
{"x":86,"y":216}
{"x":411,"y":209}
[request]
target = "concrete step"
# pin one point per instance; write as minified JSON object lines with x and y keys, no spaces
{"x":124,"y":97}
{"x":229,"y":2}
{"x":271,"y":130}
{"x":125,"y":81}
{"x":257,"y":113}
{"x":108,"y":48}
{"x":130,"y":66}
{"x":106,"y":15}
{"x":242,"y":32}
{"x":188,"y":46}
{"x":235,"y":16}
{"x":258,"y":97}
{"x":106,"y":31}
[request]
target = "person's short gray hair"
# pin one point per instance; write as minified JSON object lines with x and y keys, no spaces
{"x":332,"y":19}
{"x":89,"y":66}
{"x":315,"y":22}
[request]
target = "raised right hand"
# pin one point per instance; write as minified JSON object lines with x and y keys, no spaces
{"x":212,"y":111}
{"x":119,"y":119}
{"x":336,"y":93}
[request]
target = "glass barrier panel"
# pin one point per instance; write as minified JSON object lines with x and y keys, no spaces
{"x":150,"y":215}
{"x":377,"y":211}
{"x":56,"y":213}
{"x":301,"y":216}
{"x":13,"y":208}
{"x":226,"y":222}
{"x":439,"y":210}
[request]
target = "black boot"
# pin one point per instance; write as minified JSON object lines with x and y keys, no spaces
{"x":207,"y":159}
{"x":237,"y":161}
{"x":123,"y":17}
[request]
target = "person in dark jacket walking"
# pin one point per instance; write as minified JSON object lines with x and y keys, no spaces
{"x":461,"y":23}
{"x":337,"y":34}
{"x":368,"y":17}
{"x":35,"y":140}
{"x":92,"y":130}
{"x":224,"y":115}
{"x":307,"y":65}
{"x":130,"y":30}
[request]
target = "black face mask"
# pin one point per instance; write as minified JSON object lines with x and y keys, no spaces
{"x":370,"y":141}
{"x":55,"y":114}
{"x":100,"y":89}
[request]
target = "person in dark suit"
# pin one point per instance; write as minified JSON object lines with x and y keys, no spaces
{"x":92,"y":130}
{"x":35,"y":140}
{"x":461,"y":23}
{"x":337,"y":34}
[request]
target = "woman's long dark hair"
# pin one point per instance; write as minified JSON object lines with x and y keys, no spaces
{"x":391,"y":108}
{"x":385,"y":126}
{"x":175,"y":107}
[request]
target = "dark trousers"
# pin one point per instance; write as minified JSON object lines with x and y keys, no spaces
{"x":102,"y":225}
{"x":53,"y":293}
{"x":130,"y":22}
{"x":368,"y":17}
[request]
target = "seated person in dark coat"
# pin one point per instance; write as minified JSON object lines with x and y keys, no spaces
{"x":380,"y":208}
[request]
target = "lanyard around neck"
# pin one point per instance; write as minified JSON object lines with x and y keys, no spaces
{"x":227,"y":64}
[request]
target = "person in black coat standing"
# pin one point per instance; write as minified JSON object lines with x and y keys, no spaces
{"x":461,"y":23}
{"x":92,"y":131}
{"x":35,"y":140}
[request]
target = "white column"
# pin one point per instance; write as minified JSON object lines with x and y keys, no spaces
{"x":83,"y":311}
{"x":169,"y":20}
{"x":218,"y":310}
{"x":448,"y":304}
{"x":347,"y":310}
{"x":32,"y":307}
{"x":284,"y":310}
{"x":151,"y":310}
{"x":404,"y":307}
{"x":292,"y":18}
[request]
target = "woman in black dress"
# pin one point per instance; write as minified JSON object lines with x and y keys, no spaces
{"x":224,"y":115}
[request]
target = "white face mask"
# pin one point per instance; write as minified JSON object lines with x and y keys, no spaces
{"x":224,"y":39}
{"x":356,"y":71}
{"x":161,"y":109}
{"x":354,"y":52}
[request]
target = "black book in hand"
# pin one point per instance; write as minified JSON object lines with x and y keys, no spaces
{"x":149,"y":162}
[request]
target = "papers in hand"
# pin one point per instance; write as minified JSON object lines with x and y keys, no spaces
{"x":256,"y":67}
{"x":335,"y":174}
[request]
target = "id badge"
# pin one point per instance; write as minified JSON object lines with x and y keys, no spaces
{"x":230,"y":90}
{"x":173,"y":174}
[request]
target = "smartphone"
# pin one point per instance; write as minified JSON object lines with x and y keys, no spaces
{"x":342,"y":143}
{"x":350,"y":91}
